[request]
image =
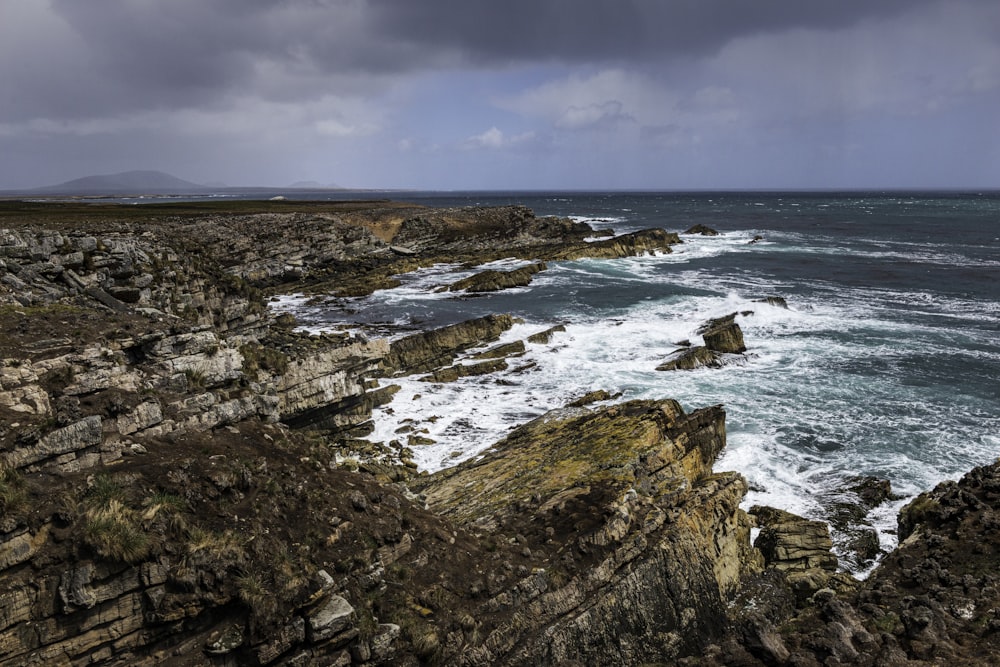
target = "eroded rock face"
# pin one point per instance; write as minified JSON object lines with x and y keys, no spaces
{"x":723,"y":334}
{"x":494,"y":281}
{"x":630,"y":488}
{"x":426,"y":351}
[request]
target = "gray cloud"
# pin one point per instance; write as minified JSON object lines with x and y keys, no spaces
{"x":281,"y":85}
{"x":600,"y":30}
{"x":111,"y":56}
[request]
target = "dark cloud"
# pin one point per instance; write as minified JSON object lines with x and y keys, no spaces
{"x":597,"y":30}
{"x":281,"y":86}
{"x":130,"y":55}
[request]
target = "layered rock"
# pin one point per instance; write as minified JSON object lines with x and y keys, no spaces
{"x":426,"y":351}
{"x":630,"y":490}
{"x":645,"y":242}
{"x":722,"y":337}
{"x":494,"y":281}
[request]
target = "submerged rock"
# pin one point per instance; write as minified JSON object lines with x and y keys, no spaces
{"x":690,"y":358}
{"x":777,"y":301}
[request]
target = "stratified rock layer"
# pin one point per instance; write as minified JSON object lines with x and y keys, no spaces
{"x":622,"y":505}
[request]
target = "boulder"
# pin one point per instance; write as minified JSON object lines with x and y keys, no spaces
{"x":702,"y":229}
{"x":790,"y":542}
{"x":722,"y":334}
{"x":330,"y":619}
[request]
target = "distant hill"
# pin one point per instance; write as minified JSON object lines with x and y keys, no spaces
{"x":128,"y":182}
{"x":314,"y":185}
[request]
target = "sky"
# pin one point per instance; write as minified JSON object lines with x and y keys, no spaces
{"x":511,"y":94}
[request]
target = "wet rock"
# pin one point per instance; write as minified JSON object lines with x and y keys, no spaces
{"x":426,"y":351}
{"x":777,"y":301}
{"x":494,"y":281}
{"x":453,"y":373}
{"x":506,"y":350}
{"x":591,"y":397}
{"x":723,"y":335}
{"x":701,"y":229}
{"x":691,"y":358}
{"x":645,"y":242}
{"x":543,"y":337}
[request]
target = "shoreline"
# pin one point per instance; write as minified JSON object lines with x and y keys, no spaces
{"x":133,"y":359}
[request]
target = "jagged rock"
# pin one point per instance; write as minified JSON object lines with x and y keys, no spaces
{"x":424,"y":351}
{"x":543,"y":337}
{"x":19,"y":389}
{"x":506,"y":350}
{"x":144,"y":415}
{"x":778,"y":301}
{"x":73,"y":438}
{"x":641,"y":498}
{"x":701,"y":229}
{"x":494,"y":281}
{"x":723,"y":335}
{"x":282,"y":641}
{"x":591,"y":397}
{"x":691,"y":358}
{"x":453,"y":373}
{"x":790,"y":542}
{"x":848,"y":509}
{"x":645,"y":242}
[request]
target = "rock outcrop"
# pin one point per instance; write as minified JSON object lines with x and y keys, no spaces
{"x":494,"y":281}
{"x":722,"y":337}
{"x":645,"y":533}
{"x":161,"y":502}
{"x":423,"y":352}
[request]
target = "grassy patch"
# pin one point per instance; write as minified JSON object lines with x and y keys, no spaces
{"x":115,"y":532}
{"x":255,"y":591}
{"x":13,"y":492}
{"x":257,"y":357}
{"x":195,"y":378}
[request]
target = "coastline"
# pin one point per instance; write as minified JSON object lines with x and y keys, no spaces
{"x":139,"y":350}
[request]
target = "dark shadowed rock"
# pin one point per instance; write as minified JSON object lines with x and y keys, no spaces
{"x":690,"y":358}
{"x":702,"y":229}
{"x":778,"y":301}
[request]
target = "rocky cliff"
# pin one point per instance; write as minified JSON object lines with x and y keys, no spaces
{"x":180,"y":481}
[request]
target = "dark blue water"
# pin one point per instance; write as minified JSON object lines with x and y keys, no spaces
{"x":885,"y":363}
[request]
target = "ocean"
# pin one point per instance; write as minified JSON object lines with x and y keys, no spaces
{"x":885,"y":363}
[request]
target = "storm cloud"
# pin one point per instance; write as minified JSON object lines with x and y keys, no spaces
{"x":467,"y":94}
